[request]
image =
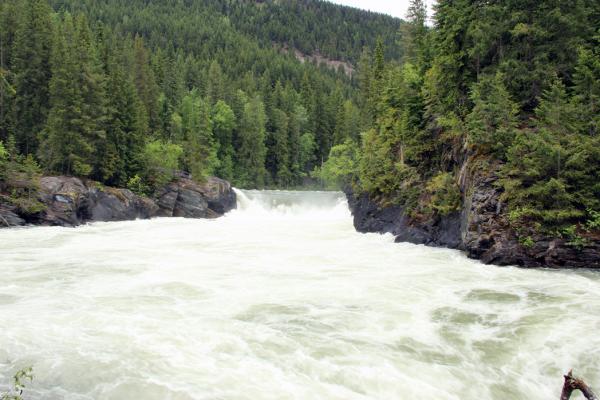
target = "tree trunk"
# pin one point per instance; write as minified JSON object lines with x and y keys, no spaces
{"x":572,"y":384}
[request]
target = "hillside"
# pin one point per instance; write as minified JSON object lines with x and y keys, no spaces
{"x":486,"y":137}
{"x":100,"y":89}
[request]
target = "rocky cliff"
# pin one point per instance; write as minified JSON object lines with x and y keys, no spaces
{"x":69,"y":201}
{"x":480,"y":228}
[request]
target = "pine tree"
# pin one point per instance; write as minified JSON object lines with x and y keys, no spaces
{"x":145,"y":82}
{"x":587,"y":90}
{"x":414,"y":33}
{"x":120,"y":155}
{"x":77,"y":116}
{"x":224,"y":123}
{"x":31,"y":66}
{"x":251,"y":153}
{"x":493,"y":121}
{"x":215,"y":90}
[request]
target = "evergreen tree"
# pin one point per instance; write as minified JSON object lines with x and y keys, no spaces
{"x":145,"y":83}
{"x":251,"y":154}
{"x":224,"y":123}
{"x":120,"y":155}
{"x":414,"y":34}
{"x":587,"y":89}
{"x":31,"y":68}
{"x":66,"y":148}
{"x":493,"y":121}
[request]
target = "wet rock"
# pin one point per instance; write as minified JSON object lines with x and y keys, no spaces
{"x":109,"y":204}
{"x":9,"y":216}
{"x":70,"y":201}
{"x":370,"y":217}
{"x":189,"y":199}
{"x":481,"y":228}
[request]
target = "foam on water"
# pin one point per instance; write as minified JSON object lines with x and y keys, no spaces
{"x":282,"y":299}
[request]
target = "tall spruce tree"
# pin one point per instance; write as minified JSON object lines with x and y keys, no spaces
{"x":31,"y":68}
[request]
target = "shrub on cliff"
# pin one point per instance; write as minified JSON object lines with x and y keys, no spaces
{"x":341,"y":166}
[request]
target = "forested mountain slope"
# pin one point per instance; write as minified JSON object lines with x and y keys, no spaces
{"x":123,"y":91}
{"x":487,"y":137}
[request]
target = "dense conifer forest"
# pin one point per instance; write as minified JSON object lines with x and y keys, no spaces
{"x":124,"y":92}
{"x":511,"y":88}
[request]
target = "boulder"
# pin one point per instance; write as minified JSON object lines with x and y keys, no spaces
{"x":70,"y":201}
{"x":189,"y":199}
{"x":9,"y":216}
{"x":110,"y":204}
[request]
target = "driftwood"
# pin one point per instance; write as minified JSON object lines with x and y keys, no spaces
{"x":572,"y":384}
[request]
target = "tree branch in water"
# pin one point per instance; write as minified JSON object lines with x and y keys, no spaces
{"x":572,"y":384}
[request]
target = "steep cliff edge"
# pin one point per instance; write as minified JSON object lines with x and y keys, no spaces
{"x":70,"y":201}
{"x":480,"y":229}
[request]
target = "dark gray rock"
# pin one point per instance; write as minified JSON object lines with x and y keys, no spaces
{"x":109,"y":204}
{"x":71,"y":202}
{"x":9,"y":216}
{"x":189,"y":199}
{"x":443,"y":231}
{"x":481,"y":228}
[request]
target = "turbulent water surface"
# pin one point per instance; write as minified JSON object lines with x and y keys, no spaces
{"x":282,"y":299}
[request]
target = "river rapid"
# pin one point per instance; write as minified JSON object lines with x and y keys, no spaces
{"x":283,"y":299}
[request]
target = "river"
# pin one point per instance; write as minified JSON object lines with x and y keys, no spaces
{"x":283,"y":299}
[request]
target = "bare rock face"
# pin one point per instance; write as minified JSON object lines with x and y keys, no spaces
{"x":70,"y":201}
{"x":487,"y":235}
{"x":442,"y":231}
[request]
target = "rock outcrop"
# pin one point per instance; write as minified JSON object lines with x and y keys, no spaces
{"x":186,"y":198}
{"x":70,"y":201}
{"x":481,"y":229}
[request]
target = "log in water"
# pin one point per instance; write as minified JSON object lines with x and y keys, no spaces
{"x":282,"y":299}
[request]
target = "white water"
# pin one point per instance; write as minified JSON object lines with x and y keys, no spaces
{"x":282,"y":299}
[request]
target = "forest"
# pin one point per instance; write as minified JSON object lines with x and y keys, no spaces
{"x":125,"y":92}
{"x":510,"y":88}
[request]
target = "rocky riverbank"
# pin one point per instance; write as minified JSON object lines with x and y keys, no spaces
{"x":480,"y":229}
{"x":69,"y":201}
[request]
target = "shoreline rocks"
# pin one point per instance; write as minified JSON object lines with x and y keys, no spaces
{"x":480,"y":229}
{"x":71,"y":202}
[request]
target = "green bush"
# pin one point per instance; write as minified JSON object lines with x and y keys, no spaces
{"x":593,"y":223}
{"x":138,"y":186}
{"x":16,"y":392}
{"x":161,"y":160}
{"x":341,"y":166}
{"x":445,"y":196}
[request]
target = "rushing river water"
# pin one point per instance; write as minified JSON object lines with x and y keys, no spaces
{"x":282,"y":299}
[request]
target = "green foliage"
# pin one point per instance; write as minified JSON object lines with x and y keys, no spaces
{"x":161,"y":160}
{"x":252,"y":151}
{"x":574,"y":238}
{"x":587,"y":88}
{"x":137,"y":185}
{"x":552,"y":172}
{"x":3,"y":153}
{"x":224,"y":123}
{"x":341,"y":166}
{"x":83,"y":89}
{"x":18,"y":384}
{"x":444,"y":194}
{"x":308,"y":147}
{"x":492,"y":122}
{"x":593,"y":222}
{"x":526,"y":241}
